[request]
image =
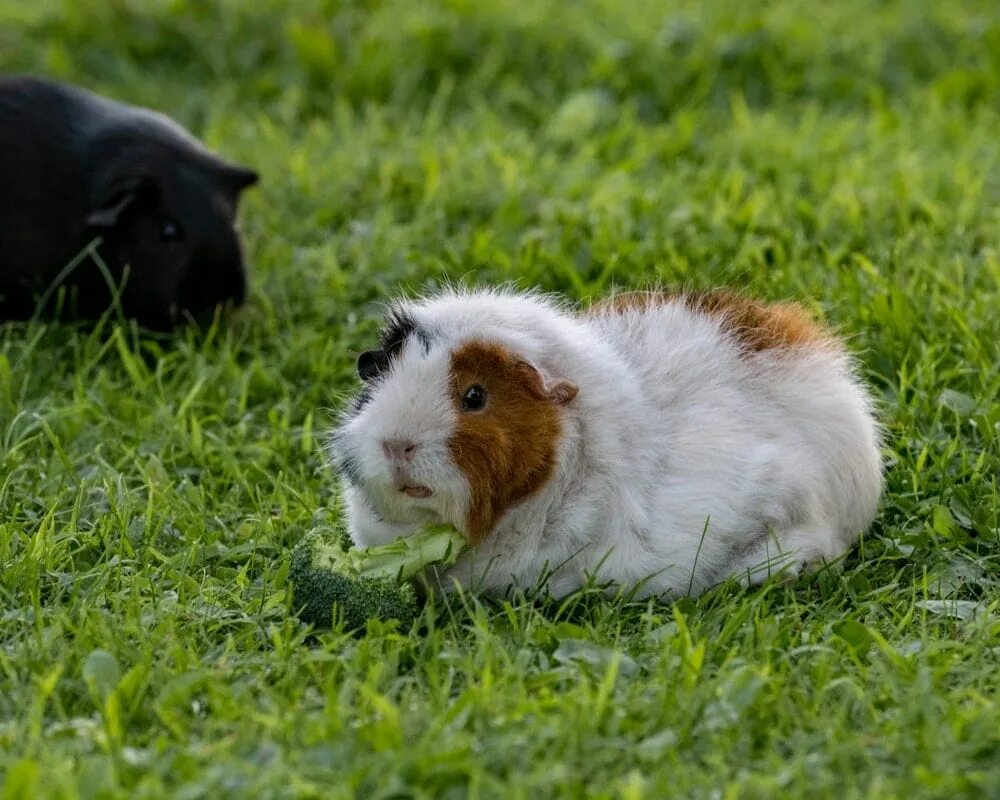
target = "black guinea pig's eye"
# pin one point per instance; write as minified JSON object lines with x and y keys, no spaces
{"x":474,"y":398}
{"x":170,"y":231}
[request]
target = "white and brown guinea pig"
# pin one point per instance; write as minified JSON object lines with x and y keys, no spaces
{"x":660,"y":440}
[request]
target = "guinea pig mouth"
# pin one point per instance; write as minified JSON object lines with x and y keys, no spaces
{"x":415,"y":491}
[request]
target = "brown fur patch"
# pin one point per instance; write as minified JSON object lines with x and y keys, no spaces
{"x":507,"y":450}
{"x":755,"y":325}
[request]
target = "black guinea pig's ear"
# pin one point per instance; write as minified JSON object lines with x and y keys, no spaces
{"x":371,"y":364}
{"x":234,"y":178}
{"x":111,"y":199}
{"x":242,"y":177}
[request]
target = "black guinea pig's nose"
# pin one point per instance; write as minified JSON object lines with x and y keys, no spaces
{"x":206,"y":287}
{"x":237,"y":292}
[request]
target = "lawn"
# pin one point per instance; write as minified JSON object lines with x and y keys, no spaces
{"x":846,"y":154}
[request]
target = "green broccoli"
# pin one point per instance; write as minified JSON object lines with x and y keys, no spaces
{"x":326,"y":572}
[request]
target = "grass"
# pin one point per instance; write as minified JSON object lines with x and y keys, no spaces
{"x":844,"y":153}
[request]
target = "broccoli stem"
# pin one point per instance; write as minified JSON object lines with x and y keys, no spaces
{"x":406,"y":557}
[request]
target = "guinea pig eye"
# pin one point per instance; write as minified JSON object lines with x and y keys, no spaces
{"x":474,"y":398}
{"x":170,"y":231}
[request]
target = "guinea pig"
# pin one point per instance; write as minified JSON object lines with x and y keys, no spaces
{"x":74,"y":167}
{"x":658,"y":443}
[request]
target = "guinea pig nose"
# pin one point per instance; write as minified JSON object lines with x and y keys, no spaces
{"x":398,"y":449}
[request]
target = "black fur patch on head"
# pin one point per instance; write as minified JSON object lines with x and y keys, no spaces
{"x":373,"y":364}
{"x":400,"y":326}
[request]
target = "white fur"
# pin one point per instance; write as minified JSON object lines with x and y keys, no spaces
{"x":682,"y":460}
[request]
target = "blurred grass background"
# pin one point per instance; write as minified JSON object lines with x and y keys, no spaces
{"x":844,"y":154}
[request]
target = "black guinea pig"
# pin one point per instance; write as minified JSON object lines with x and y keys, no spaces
{"x":75,"y":166}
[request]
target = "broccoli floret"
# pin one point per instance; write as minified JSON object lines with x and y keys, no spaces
{"x":380,"y":598}
{"x":326,"y":573}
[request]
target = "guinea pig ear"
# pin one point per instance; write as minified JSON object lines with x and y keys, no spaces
{"x":235,"y":178}
{"x":553,"y":390}
{"x":111,"y":199}
{"x":371,"y":364}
